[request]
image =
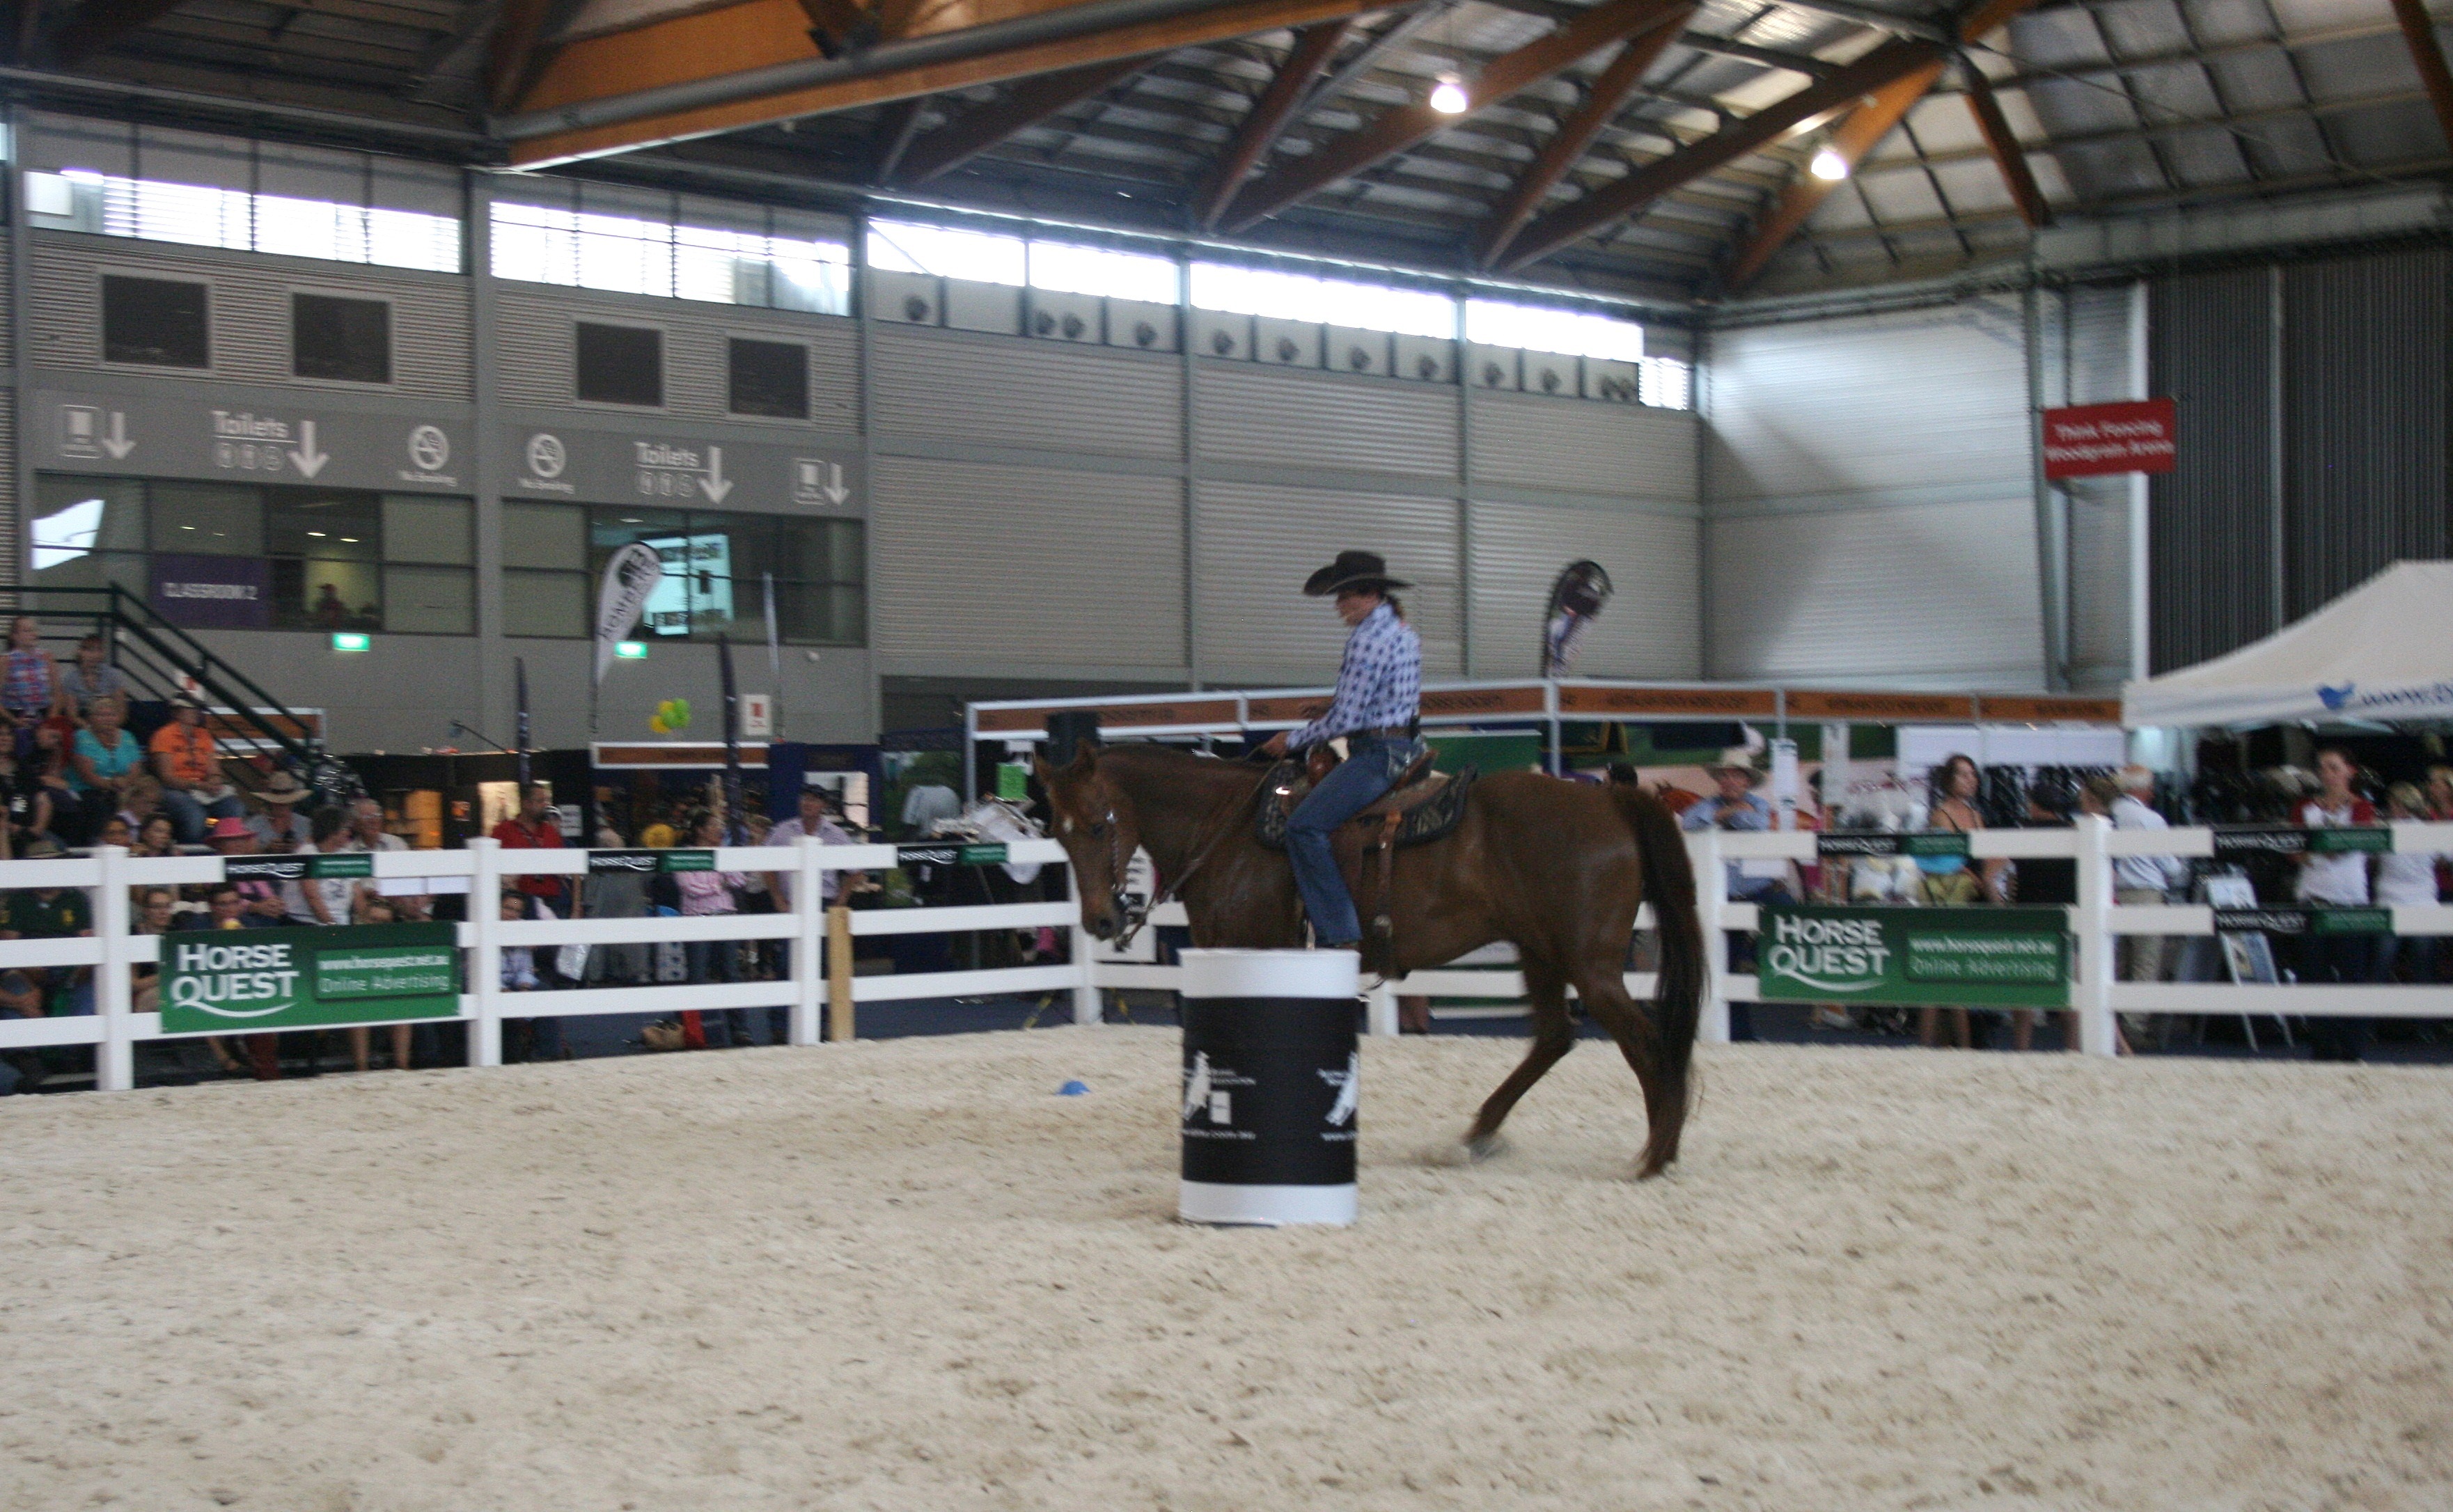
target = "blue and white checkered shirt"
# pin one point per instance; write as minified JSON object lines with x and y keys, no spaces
{"x":1379,"y":684}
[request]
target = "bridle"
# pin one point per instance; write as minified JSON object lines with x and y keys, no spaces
{"x":1134,"y":910}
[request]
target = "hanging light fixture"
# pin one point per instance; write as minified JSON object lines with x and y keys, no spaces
{"x":1828,"y":165}
{"x":1449,"y":96}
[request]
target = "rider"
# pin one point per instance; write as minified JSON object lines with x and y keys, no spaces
{"x":1377,"y":707}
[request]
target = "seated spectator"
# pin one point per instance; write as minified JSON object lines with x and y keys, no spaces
{"x":44,"y":913}
{"x":155,"y":838}
{"x":28,"y":689}
{"x":156,"y":913}
{"x":281,"y":829}
{"x":324,"y":901}
{"x":43,"y":773}
{"x":140,"y":800}
{"x":88,"y":678}
{"x":102,"y":761}
{"x":184,"y":761}
{"x":114,"y":831}
{"x":537,"y":1038}
{"x":260,"y":901}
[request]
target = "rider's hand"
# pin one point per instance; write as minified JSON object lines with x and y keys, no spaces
{"x":1275,"y":745}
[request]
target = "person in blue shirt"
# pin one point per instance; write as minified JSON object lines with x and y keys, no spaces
{"x":1376,"y":708}
{"x":1736,"y":806}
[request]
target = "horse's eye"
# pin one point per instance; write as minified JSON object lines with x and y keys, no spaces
{"x":1098,"y":831}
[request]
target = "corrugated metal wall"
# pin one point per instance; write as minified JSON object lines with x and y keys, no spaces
{"x":534,"y":349}
{"x":1654,"y":626}
{"x":1043,"y":396}
{"x":1869,"y":501}
{"x":250,"y":309}
{"x":2364,"y":433}
{"x":1278,"y":417}
{"x":1020,"y":567}
{"x":2211,"y":575}
{"x":2086,"y":361}
{"x":1607,"y":450}
{"x":1255,"y":544}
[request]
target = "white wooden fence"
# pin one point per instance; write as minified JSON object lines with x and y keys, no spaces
{"x":113,"y":950}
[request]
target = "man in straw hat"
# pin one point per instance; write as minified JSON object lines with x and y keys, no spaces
{"x":279,"y":828}
{"x":1376,"y":708}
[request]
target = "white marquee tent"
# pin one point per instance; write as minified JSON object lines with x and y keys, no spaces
{"x":2383,"y":651}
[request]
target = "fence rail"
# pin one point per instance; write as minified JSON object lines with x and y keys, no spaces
{"x":822,"y":982}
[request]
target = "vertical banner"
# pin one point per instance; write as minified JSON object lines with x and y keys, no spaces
{"x":1576,"y":600}
{"x":629,"y":577}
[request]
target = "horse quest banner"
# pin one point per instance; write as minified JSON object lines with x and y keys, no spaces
{"x":227,"y":980}
{"x":1919,"y":957}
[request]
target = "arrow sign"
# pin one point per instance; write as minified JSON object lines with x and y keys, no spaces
{"x":834,"y":491}
{"x":715,"y":486}
{"x":310,"y":461}
{"x":115,"y":441}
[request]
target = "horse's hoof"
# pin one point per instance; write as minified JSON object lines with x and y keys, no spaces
{"x":1487,"y":1147}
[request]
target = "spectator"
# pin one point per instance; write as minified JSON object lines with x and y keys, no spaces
{"x":617,"y":895}
{"x":28,"y":688}
{"x":536,"y":829}
{"x":2045,"y":882}
{"x":375,"y":909}
{"x":88,"y":678}
{"x":156,"y":913}
{"x":2138,"y":882}
{"x":538,"y":1039}
{"x":226,"y":909}
{"x":1737,"y":806}
{"x":367,"y":832}
{"x":29,"y":801}
{"x":43,"y":771}
{"x":281,"y":829}
{"x":2339,"y":880}
{"x":43,"y":913}
{"x":103,"y":762}
{"x":2407,"y":880}
{"x":140,"y":800}
{"x":706,"y":894}
{"x":193,"y":789}
{"x":815,"y":820}
{"x":324,"y":901}
{"x":1953,"y":881}
{"x":155,"y":838}
{"x":114,"y":831}
{"x":260,"y":901}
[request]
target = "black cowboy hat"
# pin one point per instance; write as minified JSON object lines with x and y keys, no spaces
{"x":1367,"y":571}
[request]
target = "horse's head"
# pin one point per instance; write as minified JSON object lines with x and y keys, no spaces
{"x":1094,"y":821}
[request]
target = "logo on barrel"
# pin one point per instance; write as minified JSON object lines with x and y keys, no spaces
{"x":1349,"y":1090}
{"x":1207,"y":1100}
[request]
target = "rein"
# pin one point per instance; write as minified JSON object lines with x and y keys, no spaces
{"x":1136,"y":916}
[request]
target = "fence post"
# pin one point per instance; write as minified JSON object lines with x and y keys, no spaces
{"x":486,"y":950}
{"x":115,"y":1055}
{"x":808,"y":932}
{"x":2091,"y":994}
{"x":1086,"y":1007}
{"x":1381,"y":1018}
{"x":839,"y":963}
{"x":1711,"y":893}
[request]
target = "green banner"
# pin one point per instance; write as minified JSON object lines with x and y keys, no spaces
{"x":1888,"y":843}
{"x":2305,"y":921}
{"x":647,"y":863}
{"x":2285,"y":840}
{"x":950,"y":855}
{"x":295,"y":868}
{"x":1951,"y":957}
{"x":255,"y":980}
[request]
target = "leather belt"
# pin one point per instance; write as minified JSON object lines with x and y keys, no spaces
{"x":1388,"y":732}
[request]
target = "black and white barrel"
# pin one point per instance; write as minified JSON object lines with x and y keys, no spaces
{"x":1270,"y":1077}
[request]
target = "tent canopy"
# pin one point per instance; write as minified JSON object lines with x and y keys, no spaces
{"x":2383,"y":651}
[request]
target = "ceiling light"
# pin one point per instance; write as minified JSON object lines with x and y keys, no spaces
{"x":1449,"y":96}
{"x":1828,"y":166}
{"x":318,"y":535}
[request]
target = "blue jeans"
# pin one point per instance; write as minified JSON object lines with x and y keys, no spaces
{"x":1367,"y":773}
{"x":188,"y":816}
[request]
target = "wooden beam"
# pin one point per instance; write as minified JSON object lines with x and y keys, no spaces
{"x":1568,"y":145}
{"x":1030,"y":102}
{"x":2007,"y":153}
{"x":837,"y":27}
{"x":1852,"y":139}
{"x":759,"y":34}
{"x":1314,"y":46}
{"x":512,"y":54}
{"x":894,"y":134}
{"x":1865,"y":125}
{"x":2419,"y":32}
{"x":97,"y":24}
{"x":1396,"y":130}
{"x":1802,"y":111}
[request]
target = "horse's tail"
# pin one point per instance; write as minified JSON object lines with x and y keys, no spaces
{"x":1678,"y":998}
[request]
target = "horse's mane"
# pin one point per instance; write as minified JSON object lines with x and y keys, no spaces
{"x":1150,"y":759}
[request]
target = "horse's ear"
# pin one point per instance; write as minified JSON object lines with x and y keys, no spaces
{"x":1086,"y":757}
{"x":1040,"y":769}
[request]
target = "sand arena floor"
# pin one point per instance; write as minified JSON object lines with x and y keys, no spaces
{"x":908,"y":1276}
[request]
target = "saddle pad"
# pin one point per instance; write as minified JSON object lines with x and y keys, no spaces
{"x":1285,"y":786}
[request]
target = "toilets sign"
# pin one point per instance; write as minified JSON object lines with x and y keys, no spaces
{"x":227,"y":980}
{"x":248,"y":440}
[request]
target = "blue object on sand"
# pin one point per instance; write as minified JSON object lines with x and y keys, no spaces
{"x":1073,"y":1089}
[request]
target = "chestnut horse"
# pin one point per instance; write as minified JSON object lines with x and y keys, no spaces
{"x":1555,"y":868}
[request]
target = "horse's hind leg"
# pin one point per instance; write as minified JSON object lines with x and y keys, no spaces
{"x":1554,"y":1035}
{"x":1664,"y":1107}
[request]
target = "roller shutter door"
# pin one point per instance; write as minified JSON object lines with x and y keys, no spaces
{"x":1026,"y":567}
{"x":1256,"y":544}
{"x":1653,"y":626}
{"x":1622,"y":450}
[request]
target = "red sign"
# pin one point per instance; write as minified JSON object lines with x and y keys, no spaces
{"x":2088,"y":440}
